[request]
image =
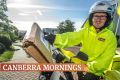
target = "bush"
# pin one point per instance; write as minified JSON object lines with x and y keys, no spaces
{"x":6,"y":41}
{"x":6,"y":56}
{"x":13,"y":37}
{"x":2,"y":48}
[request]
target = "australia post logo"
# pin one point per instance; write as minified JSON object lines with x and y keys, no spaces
{"x":101,"y":39}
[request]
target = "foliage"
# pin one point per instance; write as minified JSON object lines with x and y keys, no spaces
{"x":2,"y":48}
{"x":7,"y":55}
{"x":3,"y":10}
{"x":66,"y":26}
{"x":13,"y":32}
{"x":13,"y":37}
{"x":6,"y":41}
{"x":8,"y":32}
{"x":6,"y":24}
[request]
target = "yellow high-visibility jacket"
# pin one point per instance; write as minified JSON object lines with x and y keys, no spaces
{"x":100,"y":47}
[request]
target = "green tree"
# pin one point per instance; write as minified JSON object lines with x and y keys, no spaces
{"x":66,"y":26}
{"x":3,"y":10}
{"x":4,"y":21}
{"x":13,"y":32}
{"x":6,"y":26}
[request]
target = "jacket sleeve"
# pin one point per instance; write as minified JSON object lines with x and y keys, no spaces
{"x":68,"y":39}
{"x":100,"y":64}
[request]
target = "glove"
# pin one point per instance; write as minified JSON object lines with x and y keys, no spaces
{"x":58,"y":57}
{"x":50,"y":38}
{"x":82,"y":56}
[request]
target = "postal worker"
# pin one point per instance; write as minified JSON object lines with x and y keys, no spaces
{"x":97,"y":41}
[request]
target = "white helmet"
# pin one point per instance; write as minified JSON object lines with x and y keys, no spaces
{"x":101,"y":6}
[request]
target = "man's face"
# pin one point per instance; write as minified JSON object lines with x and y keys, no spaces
{"x":99,"y":20}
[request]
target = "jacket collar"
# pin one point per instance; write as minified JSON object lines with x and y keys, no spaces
{"x":91,"y":28}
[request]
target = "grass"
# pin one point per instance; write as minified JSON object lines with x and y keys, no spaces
{"x":6,"y":56}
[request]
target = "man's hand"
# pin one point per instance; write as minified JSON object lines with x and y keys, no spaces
{"x":50,"y":38}
{"x":82,"y":56}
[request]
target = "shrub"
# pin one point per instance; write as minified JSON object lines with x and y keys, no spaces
{"x":6,"y":56}
{"x":2,"y":48}
{"x":13,"y":37}
{"x":6,"y":41}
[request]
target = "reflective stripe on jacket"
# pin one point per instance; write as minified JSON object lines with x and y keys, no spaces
{"x":100,"y":47}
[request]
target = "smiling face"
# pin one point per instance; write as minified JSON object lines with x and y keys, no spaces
{"x":99,"y":20}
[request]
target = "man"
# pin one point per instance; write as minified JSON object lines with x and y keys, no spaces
{"x":98,"y":42}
